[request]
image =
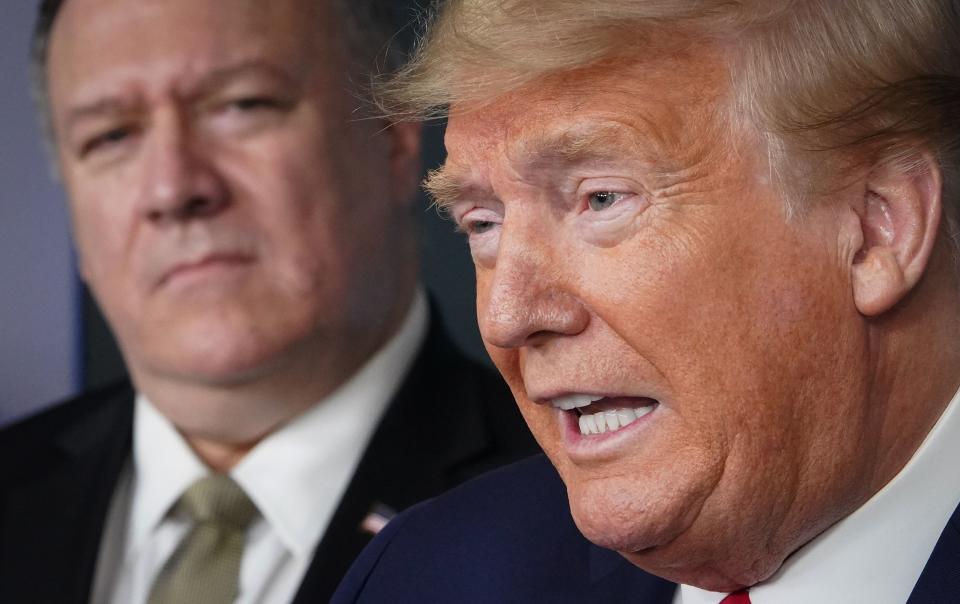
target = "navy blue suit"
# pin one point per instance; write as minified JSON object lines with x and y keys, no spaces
{"x":508,"y":537}
{"x":450,"y":420}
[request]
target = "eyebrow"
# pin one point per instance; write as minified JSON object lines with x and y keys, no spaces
{"x":97,"y":108}
{"x":111,"y":104}
{"x":568,"y":147}
{"x":254,"y":67}
{"x":445,"y":187}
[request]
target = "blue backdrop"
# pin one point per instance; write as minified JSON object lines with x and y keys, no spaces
{"x":38,"y":301}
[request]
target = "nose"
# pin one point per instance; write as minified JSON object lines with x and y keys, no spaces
{"x":528,"y":300}
{"x":179,"y":181}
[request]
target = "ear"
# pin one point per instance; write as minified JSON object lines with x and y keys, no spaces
{"x":79,"y":256}
{"x":899,"y":221}
{"x":405,"y":164}
{"x":82,"y":270}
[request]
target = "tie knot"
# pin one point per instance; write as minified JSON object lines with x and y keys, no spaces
{"x":217,"y":498}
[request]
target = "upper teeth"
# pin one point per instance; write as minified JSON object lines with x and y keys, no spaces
{"x":574,"y":401}
{"x":608,"y":421}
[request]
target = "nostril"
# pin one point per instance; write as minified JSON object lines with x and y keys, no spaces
{"x":539,"y":336}
{"x":197,"y":206}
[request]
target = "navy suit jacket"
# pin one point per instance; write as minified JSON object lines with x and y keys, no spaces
{"x":508,"y":537}
{"x":451,"y":419}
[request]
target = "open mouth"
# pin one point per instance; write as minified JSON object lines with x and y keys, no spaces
{"x":597,"y":414}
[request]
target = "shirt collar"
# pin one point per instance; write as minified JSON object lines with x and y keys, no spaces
{"x":164,"y":467}
{"x":877,"y":553}
{"x":296,"y":475}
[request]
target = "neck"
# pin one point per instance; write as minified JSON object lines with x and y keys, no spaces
{"x":220,"y":457}
{"x":223,"y":420}
{"x":917,"y":355}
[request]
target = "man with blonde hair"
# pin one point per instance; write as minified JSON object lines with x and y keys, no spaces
{"x":716,"y":265}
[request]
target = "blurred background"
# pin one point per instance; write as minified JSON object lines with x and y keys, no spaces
{"x":53,"y":341}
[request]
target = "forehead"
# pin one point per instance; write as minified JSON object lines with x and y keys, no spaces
{"x":663,"y":104}
{"x":94,"y":43}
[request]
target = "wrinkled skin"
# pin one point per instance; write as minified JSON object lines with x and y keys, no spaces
{"x":691,"y":288}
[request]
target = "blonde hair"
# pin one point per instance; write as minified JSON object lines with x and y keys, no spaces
{"x":811,"y":75}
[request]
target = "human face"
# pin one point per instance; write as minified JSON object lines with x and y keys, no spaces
{"x":629,"y":248}
{"x":234,"y":215}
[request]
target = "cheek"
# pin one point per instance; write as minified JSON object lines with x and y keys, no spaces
{"x":291,"y":212}
{"x":102,"y":246}
{"x":311,"y":205}
{"x":681,"y":294}
{"x":104,"y":215}
{"x":484,"y":278}
{"x":541,"y":419}
{"x":734,"y":325}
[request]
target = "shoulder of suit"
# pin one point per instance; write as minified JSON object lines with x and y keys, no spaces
{"x":504,"y":537}
{"x":494,"y":522}
{"x":101,"y":406}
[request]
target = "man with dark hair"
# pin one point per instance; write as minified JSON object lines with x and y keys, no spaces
{"x":717,"y":264}
{"x":249,"y":235}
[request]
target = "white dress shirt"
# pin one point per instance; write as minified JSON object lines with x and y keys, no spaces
{"x":296,"y":478}
{"x":876,"y":554}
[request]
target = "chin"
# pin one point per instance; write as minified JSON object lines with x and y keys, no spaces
{"x":225,"y":357}
{"x":671,"y":537}
{"x":703,"y":566}
{"x":653,"y":540}
{"x":622,"y":516}
{"x":226,"y":370}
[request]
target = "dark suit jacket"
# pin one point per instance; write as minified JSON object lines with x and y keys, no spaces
{"x":451,"y":419}
{"x":508,"y":538}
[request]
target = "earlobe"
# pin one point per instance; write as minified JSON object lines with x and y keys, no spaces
{"x":899,"y":221}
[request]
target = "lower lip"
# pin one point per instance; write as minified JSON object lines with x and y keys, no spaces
{"x":592,"y":446}
{"x":215,"y":269}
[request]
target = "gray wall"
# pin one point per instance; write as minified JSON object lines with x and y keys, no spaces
{"x":38,"y":294}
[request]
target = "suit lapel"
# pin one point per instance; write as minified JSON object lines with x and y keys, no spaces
{"x":940,"y":579}
{"x":53,"y":511}
{"x":423,"y":446}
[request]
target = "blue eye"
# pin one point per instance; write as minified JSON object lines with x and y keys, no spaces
{"x":601,"y":200}
{"x":481,"y":226}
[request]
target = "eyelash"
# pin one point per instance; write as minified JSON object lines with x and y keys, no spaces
{"x":255,"y":102}
{"x":616,"y":195}
{"x":110,"y":137}
{"x":478,"y":227}
{"x":121,"y":133}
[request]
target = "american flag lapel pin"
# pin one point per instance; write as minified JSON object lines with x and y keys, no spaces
{"x":377,"y":518}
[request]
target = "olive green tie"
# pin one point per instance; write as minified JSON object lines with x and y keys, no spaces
{"x":205,"y":567}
